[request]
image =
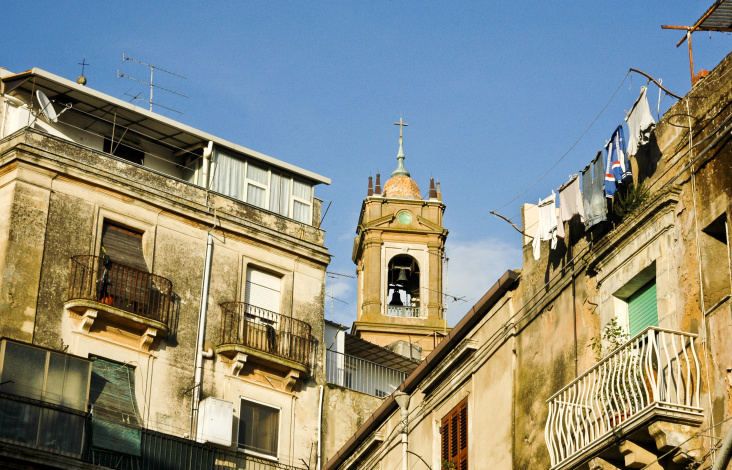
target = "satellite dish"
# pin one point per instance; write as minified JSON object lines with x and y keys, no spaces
{"x":46,"y":107}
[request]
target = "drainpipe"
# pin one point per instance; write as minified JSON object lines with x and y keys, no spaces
{"x":402,"y":400}
{"x":320,"y":428}
{"x":207,"y":151}
{"x":725,"y":452}
{"x":200,"y":354}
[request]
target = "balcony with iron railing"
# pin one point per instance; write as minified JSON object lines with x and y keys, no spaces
{"x":276,"y":339}
{"x":121,"y":294}
{"x":361,"y":375}
{"x":653,"y":378}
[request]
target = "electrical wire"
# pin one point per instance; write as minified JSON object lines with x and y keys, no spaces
{"x":570,"y":148}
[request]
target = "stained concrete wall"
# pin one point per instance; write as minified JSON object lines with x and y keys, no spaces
{"x":54,"y":199}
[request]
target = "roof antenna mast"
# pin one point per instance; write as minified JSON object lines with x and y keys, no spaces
{"x":151,"y":84}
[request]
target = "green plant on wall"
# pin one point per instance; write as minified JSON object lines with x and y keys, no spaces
{"x":448,"y":465}
{"x":629,"y":199}
{"x":613,"y":335}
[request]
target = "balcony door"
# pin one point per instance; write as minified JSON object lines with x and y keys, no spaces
{"x":262,"y":296}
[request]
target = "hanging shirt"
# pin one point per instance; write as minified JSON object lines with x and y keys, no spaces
{"x":548,"y":228}
{"x":570,"y":200}
{"x":593,"y":191}
{"x":617,"y":169}
{"x":640,"y":123}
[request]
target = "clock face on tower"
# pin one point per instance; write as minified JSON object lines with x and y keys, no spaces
{"x":405,"y":218}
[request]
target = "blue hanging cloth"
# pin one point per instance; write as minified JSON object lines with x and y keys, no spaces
{"x":617,"y":168}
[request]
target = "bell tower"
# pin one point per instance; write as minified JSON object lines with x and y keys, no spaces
{"x":399,"y":251}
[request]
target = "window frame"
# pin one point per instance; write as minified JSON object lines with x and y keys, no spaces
{"x":457,"y":417}
{"x":289,"y":211}
{"x":241,"y":446}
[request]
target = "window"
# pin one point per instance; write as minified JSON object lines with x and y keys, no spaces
{"x":123,"y":246}
{"x":716,"y":276}
{"x":123,"y":151}
{"x":642,"y":309}
{"x":255,"y":184}
{"x":44,"y":375}
{"x":258,"y":428}
{"x":262,"y":290}
{"x":454,"y":436}
{"x":302,"y":194}
{"x":115,"y":418}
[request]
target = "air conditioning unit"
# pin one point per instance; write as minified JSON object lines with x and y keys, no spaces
{"x":215,"y":421}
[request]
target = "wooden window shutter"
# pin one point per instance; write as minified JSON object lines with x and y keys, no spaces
{"x":123,"y":246}
{"x":454,"y":437}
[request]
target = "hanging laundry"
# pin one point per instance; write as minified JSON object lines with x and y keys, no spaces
{"x":570,"y":200}
{"x":640,"y":123}
{"x":593,"y":191}
{"x":617,"y":169}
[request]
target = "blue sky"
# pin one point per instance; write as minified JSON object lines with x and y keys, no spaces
{"x":494,"y":93}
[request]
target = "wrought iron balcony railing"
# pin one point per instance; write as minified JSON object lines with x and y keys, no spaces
{"x":655,"y":373}
{"x":266,"y":331}
{"x":402,"y":311}
{"x":122,"y":287}
{"x":361,"y":375}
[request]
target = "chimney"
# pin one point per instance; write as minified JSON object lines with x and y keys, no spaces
{"x":433,"y":191}
{"x":439,"y":192}
{"x":370,"y":191}
{"x":377,"y":190}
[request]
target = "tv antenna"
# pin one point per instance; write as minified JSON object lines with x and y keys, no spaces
{"x":333,"y":276}
{"x":151,"y":84}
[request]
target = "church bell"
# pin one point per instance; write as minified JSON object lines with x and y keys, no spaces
{"x":402,"y":279}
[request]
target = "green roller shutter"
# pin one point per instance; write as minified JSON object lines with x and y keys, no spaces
{"x":642,"y":308}
{"x":115,"y":419}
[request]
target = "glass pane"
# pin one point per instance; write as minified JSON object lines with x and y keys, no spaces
{"x":68,"y":380}
{"x":279,"y":192}
{"x":228,"y":175}
{"x":19,"y":421}
{"x":189,"y":171}
{"x":301,"y":212}
{"x":256,"y":174}
{"x":255,"y":195}
{"x":259,"y":428}
{"x":302,"y":190}
{"x":23,"y":371}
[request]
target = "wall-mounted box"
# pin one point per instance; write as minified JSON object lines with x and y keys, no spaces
{"x":215,"y":421}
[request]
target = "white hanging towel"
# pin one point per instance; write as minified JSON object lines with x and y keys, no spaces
{"x":640,"y":123}
{"x":570,"y":200}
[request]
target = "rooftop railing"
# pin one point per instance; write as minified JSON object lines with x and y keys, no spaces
{"x":361,"y":375}
{"x":656,"y":371}
{"x":119,"y":286}
{"x":402,"y":311}
{"x":267,"y":331}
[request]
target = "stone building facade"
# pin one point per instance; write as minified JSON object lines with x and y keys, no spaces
{"x":181,"y":275}
{"x":517,"y":384}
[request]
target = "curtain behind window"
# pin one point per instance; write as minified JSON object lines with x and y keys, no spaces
{"x":228,"y":175}
{"x":279,"y":193}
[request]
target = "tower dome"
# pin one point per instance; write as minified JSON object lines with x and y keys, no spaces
{"x":400,"y":184}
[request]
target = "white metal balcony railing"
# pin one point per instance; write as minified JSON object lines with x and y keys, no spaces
{"x":402,"y":311}
{"x":656,"y":369}
{"x":361,"y":375}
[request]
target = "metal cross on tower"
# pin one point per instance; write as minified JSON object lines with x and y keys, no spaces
{"x":401,"y":125}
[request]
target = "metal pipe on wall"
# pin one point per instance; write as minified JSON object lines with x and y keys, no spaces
{"x":198,"y":377}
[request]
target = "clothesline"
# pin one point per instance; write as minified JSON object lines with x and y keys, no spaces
{"x":585,"y":132}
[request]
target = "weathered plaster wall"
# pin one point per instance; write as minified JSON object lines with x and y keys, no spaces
{"x":345,"y":412}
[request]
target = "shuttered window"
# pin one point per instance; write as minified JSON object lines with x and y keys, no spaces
{"x":115,"y":417}
{"x":262,"y":290}
{"x":455,"y":438}
{"x":643,"y":309}
{"x":123,"y":246}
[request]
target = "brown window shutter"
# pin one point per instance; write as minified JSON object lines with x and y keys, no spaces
{"x":463,"y":438}
{"x":123,"y":246}
{"x":445,"y":429}
{"x":454,"y":437}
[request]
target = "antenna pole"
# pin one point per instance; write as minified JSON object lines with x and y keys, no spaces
{"x":151,"y":82}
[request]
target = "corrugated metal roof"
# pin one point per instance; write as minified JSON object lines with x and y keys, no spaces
{"x":720,"y":16}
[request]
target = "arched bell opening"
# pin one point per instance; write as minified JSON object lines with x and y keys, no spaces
{"x":403,"y":279}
